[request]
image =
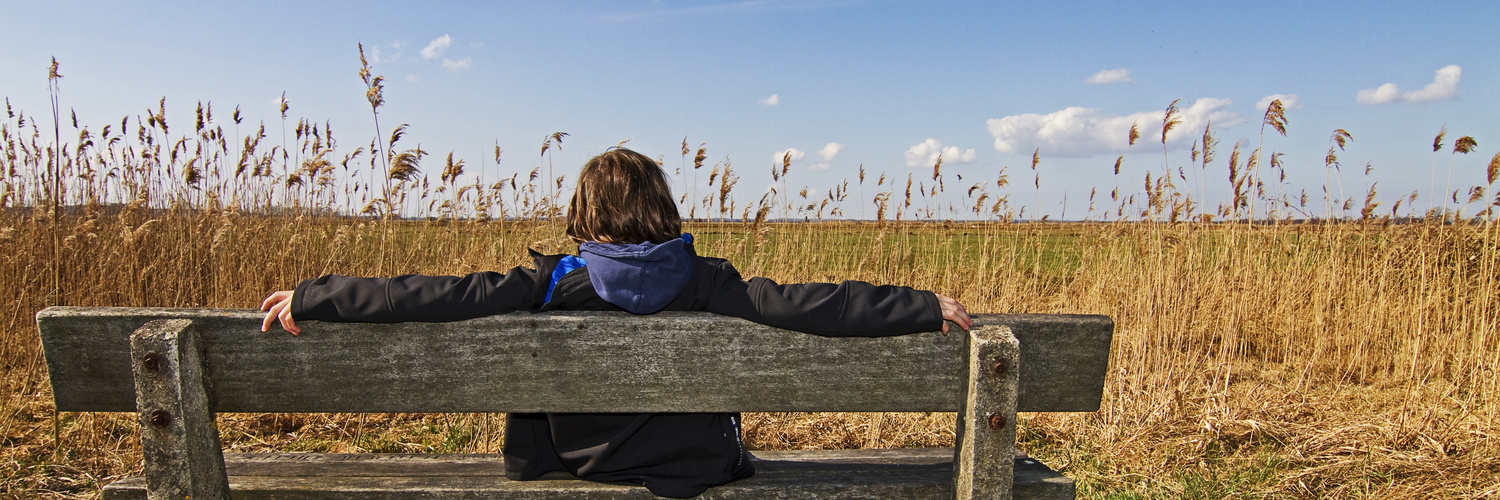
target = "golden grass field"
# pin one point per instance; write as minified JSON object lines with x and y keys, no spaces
{"x":1353,"y":355}
{"x":1338,"y":360}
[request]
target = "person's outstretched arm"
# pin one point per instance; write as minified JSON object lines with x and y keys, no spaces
{"x":850,"y":308}
{"x":401,"y":298}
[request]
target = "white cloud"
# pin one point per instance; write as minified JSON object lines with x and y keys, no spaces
{"x":436,"y":47}
{"x":1080,"y":132}
{"x":378,"y":56}
{"x":454,"y":66}
{"x":1288,"y":101}
{"x":1379,"y":95}
{"x":412,"y":78}
{"x":1444,"y":86}
{"x":771,"y":101}
{"x":831,"y":150}
{"x":1118,"y":75}
{"x":797,"y":155}
{"x":926,"y":154}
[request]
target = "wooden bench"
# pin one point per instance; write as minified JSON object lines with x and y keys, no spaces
{"x":177,"y":367}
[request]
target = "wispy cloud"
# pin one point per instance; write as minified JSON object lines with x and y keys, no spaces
{"x":435,"y":48}
{"x":1379,"y":95}
{"x":826,"y":154}
{"x":1444,"y":86}
{"x":831,"y":150}
{"x":455,"y":66}
{"x":797,"y":155}
{"x":926,"y":154}
{"x":1288,"y":101}
{"x":1080,"y":132}
{"x":735,"y":8}
{"x":1119,"y":75}
{"x":771,"y":101}
{"x":377,"y":56}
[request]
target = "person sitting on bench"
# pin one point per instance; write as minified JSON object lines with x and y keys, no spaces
{"x":632,"y":256}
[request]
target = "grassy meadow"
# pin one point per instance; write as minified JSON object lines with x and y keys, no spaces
{"x":1348,"y":356}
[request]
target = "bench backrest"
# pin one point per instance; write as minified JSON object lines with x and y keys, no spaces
{"x":569,"y":362}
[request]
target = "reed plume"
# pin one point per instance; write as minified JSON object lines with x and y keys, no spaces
{"x":1338,"y":140}
{"x":1437,"y":145}
{"x":1494,"y":171}
{"x":1464,"y":145}
{"x":1169,"y":121}
{"x":452,"y":169}
{"x":1275,"y":116}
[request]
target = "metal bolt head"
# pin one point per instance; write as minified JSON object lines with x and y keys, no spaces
{"x":999,"y":367}
{"x":997,"y":421}
{"x":161,"y":418}
{"x":151,"y":361}
{"x":533,"y":324}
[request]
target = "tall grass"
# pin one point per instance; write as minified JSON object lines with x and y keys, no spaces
{"x":1349,"y":356}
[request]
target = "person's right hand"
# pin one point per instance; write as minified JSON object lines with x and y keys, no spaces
{"x":278,"y":306}
{"x":952,"y":311}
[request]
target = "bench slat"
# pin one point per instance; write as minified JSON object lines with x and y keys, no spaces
{"x":667,"y":362}
{"x":905,"y":473}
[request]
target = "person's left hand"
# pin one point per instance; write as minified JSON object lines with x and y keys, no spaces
{"x":953,"y":311}
{"x":278,"y":306}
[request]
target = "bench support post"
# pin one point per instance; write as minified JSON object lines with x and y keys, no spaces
{"x":179,"y":442}
{"x":986,"y":434}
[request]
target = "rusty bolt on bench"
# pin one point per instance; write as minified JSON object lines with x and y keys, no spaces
{"x":161,"y":418}
{"x":151,"y":361}
{"x":999,"y":367}
{"x":997,"y":421}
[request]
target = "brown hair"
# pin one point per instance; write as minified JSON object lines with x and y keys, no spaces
{"x":623,"y":197}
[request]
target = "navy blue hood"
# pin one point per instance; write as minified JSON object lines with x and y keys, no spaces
{"x":641,"y":278}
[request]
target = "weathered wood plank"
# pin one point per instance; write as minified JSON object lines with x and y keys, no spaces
{"x":179,"y":442}
{"x":1064,"y":358}
{"x":986,"y":432}
{"x":668,"y":362}
{"x":906,"y":473}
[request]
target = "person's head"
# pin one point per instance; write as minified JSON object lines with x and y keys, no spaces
{"x":623,"y":197}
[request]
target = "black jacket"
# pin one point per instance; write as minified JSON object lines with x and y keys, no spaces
{"x":674,"y":455}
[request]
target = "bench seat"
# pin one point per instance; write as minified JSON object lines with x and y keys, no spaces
{"x":898,"y":473}
{"x":177,"y":368}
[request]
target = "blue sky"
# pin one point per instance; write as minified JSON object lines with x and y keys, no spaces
{"x":881,"y":84}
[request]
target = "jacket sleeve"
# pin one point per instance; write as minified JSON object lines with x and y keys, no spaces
{"x":847,"y":309}
{"x":413,"y":297}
